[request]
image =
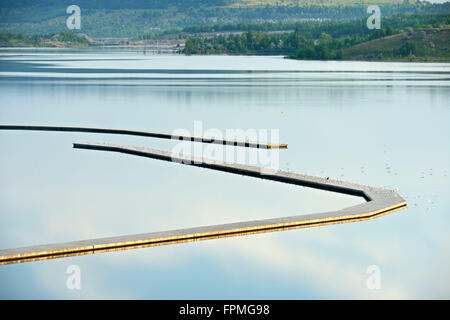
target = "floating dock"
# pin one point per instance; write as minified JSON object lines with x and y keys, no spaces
{"x":150,"y":134}
{"x":378,"y":203}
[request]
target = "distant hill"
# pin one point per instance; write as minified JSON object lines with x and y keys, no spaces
{"x":403,"y":37}
{"x":133,"y":18}
{"x":421,"y":44}
{"x":306,"y":3}
{"x":60,"y":40}
{"x":161,"y":4}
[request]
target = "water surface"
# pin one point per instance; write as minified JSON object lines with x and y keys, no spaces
{"x":381,"y":124}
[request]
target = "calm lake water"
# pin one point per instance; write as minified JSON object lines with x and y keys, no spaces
{"x":380,"y":124}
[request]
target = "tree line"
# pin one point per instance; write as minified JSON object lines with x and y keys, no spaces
{"x":307,"y":43}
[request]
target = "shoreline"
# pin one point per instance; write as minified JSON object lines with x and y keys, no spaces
{"x":283,"y":56}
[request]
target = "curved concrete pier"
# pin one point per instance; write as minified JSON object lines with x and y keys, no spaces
{"x":378,"y":202}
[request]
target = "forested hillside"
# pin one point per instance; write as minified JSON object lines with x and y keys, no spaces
{"x":422,"y":37}
{"x":134,"y":18}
